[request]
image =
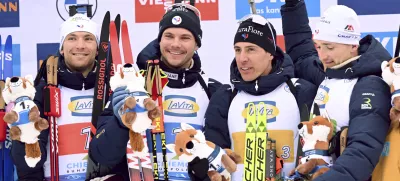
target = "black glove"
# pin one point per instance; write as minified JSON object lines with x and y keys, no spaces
{"x":291,"y":3}
{"x":198,"y":169}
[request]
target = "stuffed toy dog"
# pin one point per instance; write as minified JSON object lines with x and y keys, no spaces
{"x":24,"y":118}
{"x":391,"y":75}
{"x":139,"y":110}
{"x":316,"y":134}
{"x":191,"y":143}
{"x":388,"y":167}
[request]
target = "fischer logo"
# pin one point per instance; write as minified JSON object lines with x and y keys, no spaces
{"x":208,"y":9}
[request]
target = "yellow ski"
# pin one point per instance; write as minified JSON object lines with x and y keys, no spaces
{"x":250,"y":142}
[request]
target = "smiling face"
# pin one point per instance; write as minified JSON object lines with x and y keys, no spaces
{"x":79,"y":50}
{"x":252,"y":60}
{"x":177,"y":46}
{"x":332,"y":54}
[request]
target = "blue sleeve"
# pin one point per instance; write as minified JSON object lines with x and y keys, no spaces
{"x":299,"y":44}
{"x":216,"y":117}
{"x":368,"y":126}
{"x":25,"y":172}
{"x":305,"y":93}
{"x":213,"y":85}
{"x":108,"y":146}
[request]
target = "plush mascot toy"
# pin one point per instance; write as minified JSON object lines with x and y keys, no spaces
{"x":191,"y":143}
{"x":388,"y":167}
{"x":24,"y":118}
{"x":391,"y":75}
{"x":139,"y":110}
{"x":316,"y":160}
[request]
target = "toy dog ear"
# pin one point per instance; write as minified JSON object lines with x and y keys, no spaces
{"x":29,"y":78}
{"x":8,"y":80}
{"x":171,"y":148}
{"x":185,"y":126}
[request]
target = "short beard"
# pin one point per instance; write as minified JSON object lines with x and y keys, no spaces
{"x":180,"y":66}
{"x":80,"y":69}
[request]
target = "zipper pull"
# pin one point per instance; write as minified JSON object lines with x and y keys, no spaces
{"x":83,"y":86}
{"x":183,"y":79}
{"x":256,"y":85}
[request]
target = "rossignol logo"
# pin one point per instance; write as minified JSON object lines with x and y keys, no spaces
{"x":57,"y":101}
{"x":250,"y":29}
{"x":100,"y":82}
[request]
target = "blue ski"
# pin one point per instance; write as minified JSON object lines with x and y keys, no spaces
{"x":1,"y":131}
{"x":8,"y":166}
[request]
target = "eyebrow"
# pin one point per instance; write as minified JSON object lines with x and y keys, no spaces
{"x":250,"y":46}
{"x":168,"y":33}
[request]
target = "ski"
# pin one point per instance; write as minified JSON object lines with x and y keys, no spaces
{"x":156,"y":81}
{"x":8,"y":167}
{"x":139,"y":163}
{"x":256,"y":138}
{"x":3,"y":125}
{"x":261,"y":142}
{"x":250,"y":142}
{"x":52,"y":109}
{"x":110,"y":64}
{"x":99,"y":89}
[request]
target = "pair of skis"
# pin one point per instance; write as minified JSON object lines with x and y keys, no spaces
{"x":6,"y":164}
{"x":256,"y":143}
{"x":156,"y":80}
{"x":52,"y":109}
{"x":109,"y":58}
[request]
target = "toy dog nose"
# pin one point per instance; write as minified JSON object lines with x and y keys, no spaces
{"x":189,"y":145}
{"x":300,"y":126}
{"x":128,"y":65}
{"x":14,"y":79}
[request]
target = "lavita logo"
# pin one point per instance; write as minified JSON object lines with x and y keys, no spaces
{"x":387,"y":39}
{"x":271,"y":8}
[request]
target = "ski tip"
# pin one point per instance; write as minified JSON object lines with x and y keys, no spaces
{"x":9,"y":38}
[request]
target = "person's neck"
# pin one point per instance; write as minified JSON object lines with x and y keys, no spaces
{"x":345,"y":62}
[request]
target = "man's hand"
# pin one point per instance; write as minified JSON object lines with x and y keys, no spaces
{"x":198,"y":169}
{"x":118,"y":100}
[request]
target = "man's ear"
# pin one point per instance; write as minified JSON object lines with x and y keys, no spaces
{"x":354,"y":48}
{"x":196,"y":48}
